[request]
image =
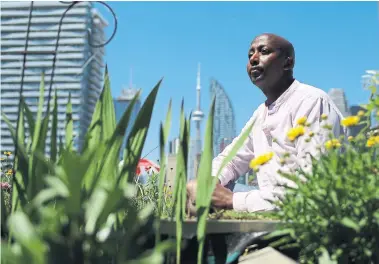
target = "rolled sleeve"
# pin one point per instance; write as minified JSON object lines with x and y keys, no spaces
{"x":253,"y":201}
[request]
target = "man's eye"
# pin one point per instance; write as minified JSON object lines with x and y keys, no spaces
{"x":264,"y":51}
{"x":250,"y":54}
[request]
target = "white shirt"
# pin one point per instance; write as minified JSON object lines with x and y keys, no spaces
{"x":269,"y":134}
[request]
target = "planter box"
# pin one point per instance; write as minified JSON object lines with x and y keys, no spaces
{"x":168,"y":227}
{"x":225,"y":240}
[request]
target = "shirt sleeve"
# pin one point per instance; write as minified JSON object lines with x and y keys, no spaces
{"x":239,"y":165}
{"x":322,"y":130}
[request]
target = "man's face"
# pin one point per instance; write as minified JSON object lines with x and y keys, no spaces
{"x":266,"y":62}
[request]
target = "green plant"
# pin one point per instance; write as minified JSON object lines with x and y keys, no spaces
{"x":148,"y":194}
{"x":76,"y":207}
{"x":206,"y":181}
{"x":333,"y":217}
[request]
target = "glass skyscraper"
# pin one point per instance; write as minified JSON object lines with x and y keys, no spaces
{"x":79,"y":67}
{"x":339,"y":98}
{"x":224,"y":128}
{"x":121,"y":103}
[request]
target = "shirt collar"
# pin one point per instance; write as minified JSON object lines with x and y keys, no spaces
{"x":272,"y":108}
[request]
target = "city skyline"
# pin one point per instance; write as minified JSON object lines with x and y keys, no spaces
{"x":169,"y":43}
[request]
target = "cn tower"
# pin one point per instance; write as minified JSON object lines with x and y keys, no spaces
{"x":197,"y":117}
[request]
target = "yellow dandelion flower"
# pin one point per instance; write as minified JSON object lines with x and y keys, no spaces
{"x":7,"y":153}
{"x":350,"y":138}
{"x":333,"y":143}
{"x":361,"y":113}
{"x":260,"y":160}
{"x":295,"y":132}
{"x":324,"y":116}
{"x":374,"y":140}
{"x":301,"y":121}
{"x":350,"y":121}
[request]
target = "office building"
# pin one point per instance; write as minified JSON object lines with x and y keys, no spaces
{"x":339,"y":98}
{"x":224,"y":127}
{"x":79,"y":68}
{"x":121,"y":103}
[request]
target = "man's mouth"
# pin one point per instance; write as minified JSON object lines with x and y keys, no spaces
{"x":256,"y":72}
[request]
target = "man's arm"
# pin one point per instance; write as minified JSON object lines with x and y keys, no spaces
{"x":239,"y":165}
{"x":312,"y":108}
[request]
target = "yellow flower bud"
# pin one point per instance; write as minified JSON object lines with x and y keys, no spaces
{"x":350,"y":121}
{"x":301,"y":121}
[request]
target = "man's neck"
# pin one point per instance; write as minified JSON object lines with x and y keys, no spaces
{"x":278,"y":90}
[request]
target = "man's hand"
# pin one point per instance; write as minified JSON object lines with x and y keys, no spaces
{"x":191,"y":197}
{"x":221,"y":198}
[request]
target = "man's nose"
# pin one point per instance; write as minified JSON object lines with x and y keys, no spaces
{"x":254,"y":59}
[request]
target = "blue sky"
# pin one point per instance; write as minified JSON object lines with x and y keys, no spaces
{"x":335,"y":42}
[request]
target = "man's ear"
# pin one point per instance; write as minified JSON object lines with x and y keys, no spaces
{"x":289,"y":63}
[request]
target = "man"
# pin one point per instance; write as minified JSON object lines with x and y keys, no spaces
{"x":271,"y":60}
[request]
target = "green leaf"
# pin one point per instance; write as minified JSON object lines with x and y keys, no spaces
{"x":95,"y":205}
{"x":29,"y":118}
{"x":163,"y":135}
{"x":333,"y":196}
{"x":26,"y":235}
{"x":179,"y":194}
{"x":348,"y":222}
{"x":103,"y":119}
{"x":205,"y":183}
{"x":4,"y":212}
{"x":109,"y":163}
{"x":69,"y":125}
{"x":36,"y":170}
{"x":101,"y":205}
{"x":38,"y":124}
{"x":54,"y":129}
{"x":137,"y":136}
{"x":107,"y":112}
{"x":325,"y":258}
{"x":75,"y":167}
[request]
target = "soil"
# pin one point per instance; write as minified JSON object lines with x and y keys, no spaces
{"x":232,"y":215}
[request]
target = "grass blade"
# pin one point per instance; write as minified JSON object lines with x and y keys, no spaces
{"x":69,"y":124}
{"x":109,"y":155}
{"x":179,"y":194}
{"x":204,"y":183}
{"x":163,"y":135}
{"x":29,"y":119}
{"x":33,"y":182}
{"x":137,"y":136}
{"x":54,"y":128}
{"x":108,"y":112}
